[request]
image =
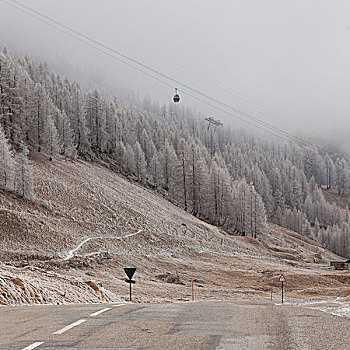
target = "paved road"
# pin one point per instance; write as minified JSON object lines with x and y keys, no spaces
{"x":200,"y":325}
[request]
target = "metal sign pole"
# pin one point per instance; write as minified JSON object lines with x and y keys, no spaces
{"x":130,"y":293}
{"x":130,"y":272}
{"x":282,"y":279}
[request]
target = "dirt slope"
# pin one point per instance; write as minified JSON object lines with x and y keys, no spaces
{"x":332,"y":196}
{"x":88,"y":223}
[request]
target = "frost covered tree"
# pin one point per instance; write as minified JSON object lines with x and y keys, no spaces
{"x":249,"y":210}
{"x":78,"y":121}
{"x":256,"y":216}
{"x":140,"y":162}
{"x":329,"y":172}
{"x":96,"y":120}
{"x":24,"y":177}
{"x":53,"y":146}
{"x":6,"y":163}
{"x":120,"y":154}
{"x":64,"y":136}
{"x":169,"y":162}
{"x":129,"y":159}
{"x":155,"y":170}
{"x":341,"y":176}
{"x":219,"y":195}
{"x":197,"y":167}
{"x":225,"y":176}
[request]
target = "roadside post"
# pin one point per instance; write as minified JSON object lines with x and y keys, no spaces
{"x":271,"y":288}
{"x":130,"y":272}
{"x":282,"y":279}
{"x":192,"y":289}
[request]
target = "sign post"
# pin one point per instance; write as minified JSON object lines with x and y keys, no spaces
{"x":282,"y":279}
{"x":130,"y":272}
{"x":192,"y":289}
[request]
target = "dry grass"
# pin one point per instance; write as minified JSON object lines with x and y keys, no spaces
{"x":79,"y":200}
{"x":332,"y":196}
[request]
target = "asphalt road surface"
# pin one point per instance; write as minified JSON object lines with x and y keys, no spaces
{"x":199,"y":325}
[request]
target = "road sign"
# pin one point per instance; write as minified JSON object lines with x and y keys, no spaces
{"x":130,"y":281}
{"x":130,"y":271}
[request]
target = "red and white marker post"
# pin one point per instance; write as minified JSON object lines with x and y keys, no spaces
{"x":271,"y":288}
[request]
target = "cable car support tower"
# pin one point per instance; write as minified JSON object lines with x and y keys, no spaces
{"x":213,"y":122}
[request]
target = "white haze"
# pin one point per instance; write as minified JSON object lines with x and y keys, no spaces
{"x":285,"y":62}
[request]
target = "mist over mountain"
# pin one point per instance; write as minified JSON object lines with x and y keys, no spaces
{"x":269,"y":60}
{"x":285,"y":86}
{"x":224,"y":176}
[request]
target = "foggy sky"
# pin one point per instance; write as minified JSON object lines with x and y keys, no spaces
{"x":286,"y":62}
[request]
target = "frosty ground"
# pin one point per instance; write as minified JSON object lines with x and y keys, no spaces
{"x":88,"y":223}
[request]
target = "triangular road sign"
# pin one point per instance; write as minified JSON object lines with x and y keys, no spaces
{"x":130,"y":271}
{"x":282,"y":279}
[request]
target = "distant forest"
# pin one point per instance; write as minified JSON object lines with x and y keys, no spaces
{"x":226,"y":177}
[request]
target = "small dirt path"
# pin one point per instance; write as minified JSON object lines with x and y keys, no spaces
{"x":74,"y":250}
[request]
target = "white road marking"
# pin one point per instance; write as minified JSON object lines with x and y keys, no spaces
{"x":118,"y":305}
{"x":77,"y":323}
{"x":100,"y":312}
{"x":34,"y":345}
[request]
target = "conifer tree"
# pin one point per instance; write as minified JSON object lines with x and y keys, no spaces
{"x":24,"y":177}
{"x":6,"y":163}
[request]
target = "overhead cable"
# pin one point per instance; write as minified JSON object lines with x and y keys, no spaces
{"x":145,"y":69}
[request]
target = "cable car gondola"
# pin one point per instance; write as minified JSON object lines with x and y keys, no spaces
{"x":176,"y":97}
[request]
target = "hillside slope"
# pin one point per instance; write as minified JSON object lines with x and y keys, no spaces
{"x":332,"y":196}
{"x":223,"y":175}
{"x":89,"y":222}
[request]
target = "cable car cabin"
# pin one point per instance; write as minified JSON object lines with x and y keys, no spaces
{"x":340,"y":264}
{"x":176,"y":97}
